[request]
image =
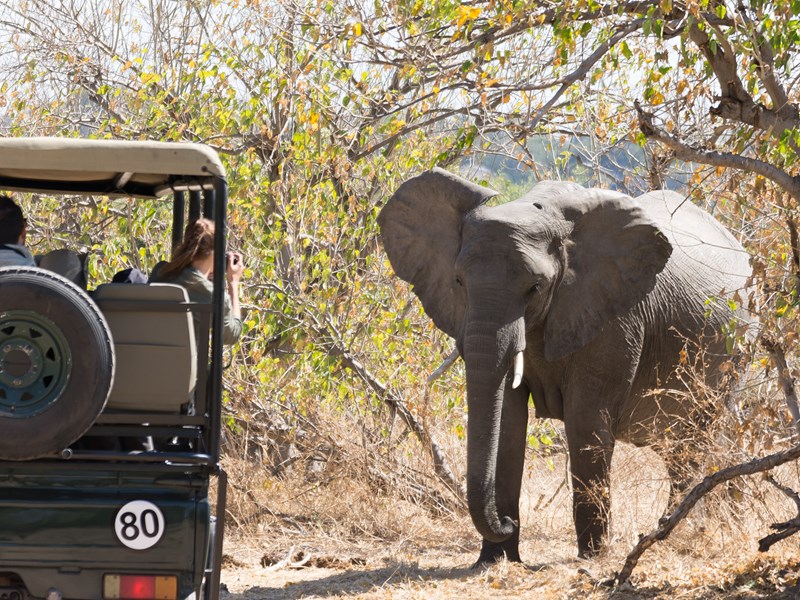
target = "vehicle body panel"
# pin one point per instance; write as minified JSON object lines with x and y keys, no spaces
{"x":57,"y":528}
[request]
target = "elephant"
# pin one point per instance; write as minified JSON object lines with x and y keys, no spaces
{"x":582,"y":299}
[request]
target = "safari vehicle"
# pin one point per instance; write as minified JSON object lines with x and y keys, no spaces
{"x":84,"y":372}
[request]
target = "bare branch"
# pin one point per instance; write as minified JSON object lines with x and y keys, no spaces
{"x":785,"y":379}
{"x":328,"y":331}
{"x":441,"y":467}
{"x":667,"y":524}
{"x":794,"y":239}
{"x":689,"y":153}
{"x":757,"y":465}
{"x":785,"y":529}
{"x":786,"y":490}
{"x":580,"y":72}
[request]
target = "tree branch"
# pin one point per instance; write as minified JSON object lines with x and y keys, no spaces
{"x":582,"y":69}
{"x":785,"y":379}
{"x":448,"y":362}
{"x":787,"y":528}
{"x":766,"y":66}
{"x":396,"y":403}
{"x":689,"y":153}
{"x":734,"y":103}
{"x":667,"y":524}
{"x":756,"y":465}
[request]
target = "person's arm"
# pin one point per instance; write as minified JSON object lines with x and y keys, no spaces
{"x":233,"y":275}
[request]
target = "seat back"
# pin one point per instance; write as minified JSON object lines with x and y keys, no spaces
{"x":154,"y":341}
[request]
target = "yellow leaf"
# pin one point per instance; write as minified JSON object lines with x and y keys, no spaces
{"x":148,"y":78}
{"x":467,"y":13}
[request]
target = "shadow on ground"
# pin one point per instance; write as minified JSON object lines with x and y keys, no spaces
{"x":352,"y":582}
{"x":394,"y":578}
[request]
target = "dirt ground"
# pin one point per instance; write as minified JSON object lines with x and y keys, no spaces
{"x":713,"y":554}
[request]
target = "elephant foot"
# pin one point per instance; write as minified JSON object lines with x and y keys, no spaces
{"x":589,"y":546}
{"x":492,"y":553}
{"x":589,"y":552}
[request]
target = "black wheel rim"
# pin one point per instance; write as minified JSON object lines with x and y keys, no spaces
{"x":35,"y":364}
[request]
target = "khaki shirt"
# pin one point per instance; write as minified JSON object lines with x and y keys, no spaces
{"x":200,"y":289}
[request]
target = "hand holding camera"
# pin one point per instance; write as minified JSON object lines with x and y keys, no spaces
{"x":234,"y":267}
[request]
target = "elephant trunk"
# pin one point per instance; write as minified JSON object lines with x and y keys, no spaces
{"x":488,"y":353}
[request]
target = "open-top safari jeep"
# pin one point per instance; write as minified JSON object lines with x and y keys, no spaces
{"x":82,"y":515}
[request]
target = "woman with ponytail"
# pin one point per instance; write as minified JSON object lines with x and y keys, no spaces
{"x":191,"y":267}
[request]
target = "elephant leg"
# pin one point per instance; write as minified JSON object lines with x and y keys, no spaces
{"x":590,"y":451}
{"x":510,"y":466}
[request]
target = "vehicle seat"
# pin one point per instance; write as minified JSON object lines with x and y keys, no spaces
{"x":156,"y":354}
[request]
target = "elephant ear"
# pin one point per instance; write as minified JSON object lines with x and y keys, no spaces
{"x":614,"y":253}
{"x":421,"y":233}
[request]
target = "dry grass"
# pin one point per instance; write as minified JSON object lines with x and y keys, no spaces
{"x":359,"y":542}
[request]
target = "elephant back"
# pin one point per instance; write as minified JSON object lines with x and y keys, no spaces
{"x":708,"y":280}
{"x":701,"y":244}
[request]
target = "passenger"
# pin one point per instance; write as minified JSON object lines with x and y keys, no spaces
{"x":191,"y":267}
{"x":66,"y":263}
{"x":13,"y":231}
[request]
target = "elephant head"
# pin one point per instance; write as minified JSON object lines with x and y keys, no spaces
{"x":553,"y":266}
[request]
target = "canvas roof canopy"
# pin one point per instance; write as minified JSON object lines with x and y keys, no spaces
{"x":106,"y":167}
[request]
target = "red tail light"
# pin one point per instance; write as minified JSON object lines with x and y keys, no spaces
{"x":140,"y":587}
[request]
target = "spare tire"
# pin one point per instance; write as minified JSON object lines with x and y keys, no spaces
{"x":56,"y":362}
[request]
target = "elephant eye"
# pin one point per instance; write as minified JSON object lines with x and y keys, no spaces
{"x":534,"y":288}
{"x":459,"y":282}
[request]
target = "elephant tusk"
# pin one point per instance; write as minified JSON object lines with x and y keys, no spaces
{"x":518,"y":361}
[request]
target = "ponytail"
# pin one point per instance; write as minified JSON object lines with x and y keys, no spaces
{"x":198,"y":242}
